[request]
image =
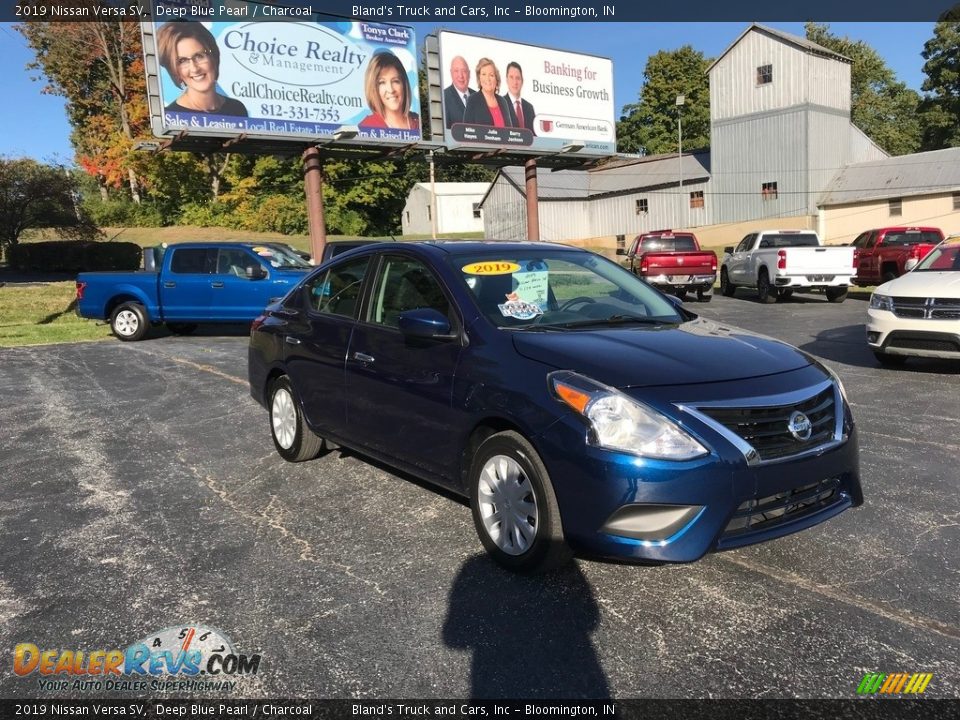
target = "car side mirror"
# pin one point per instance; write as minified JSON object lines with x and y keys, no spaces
{"x":425,"y":323}
{"x":728,"y":250}
{"x":256,"y":272}
{"x":910,"y":264}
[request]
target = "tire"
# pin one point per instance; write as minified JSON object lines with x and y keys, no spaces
{"x":682,"y":294}
{"x":704,"y":295}
{"x":181,"y":328}
{"x":291,"y":437}
{"x":836,"y":295}
{"x":726,"y":287}
{"x":889,"y":360}
{"x":784,"y":294}
{"x":765,"y":291}
{"x":129,"y":322}
{"x":507,"y":472}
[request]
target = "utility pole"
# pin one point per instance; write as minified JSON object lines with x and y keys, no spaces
{"x":683,"y":212}
{"x":433,"y":200}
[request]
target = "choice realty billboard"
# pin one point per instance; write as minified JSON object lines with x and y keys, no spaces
{"x":525,"y":97}
{"x":300,"y":79}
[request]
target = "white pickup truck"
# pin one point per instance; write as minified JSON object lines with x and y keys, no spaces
{"x":777,"y":262}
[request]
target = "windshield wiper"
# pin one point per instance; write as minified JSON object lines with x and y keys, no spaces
{"x":611,"y":320}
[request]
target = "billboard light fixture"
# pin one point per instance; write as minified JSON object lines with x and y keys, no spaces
{"x":573,"y":146}
{"x":346,"y":132}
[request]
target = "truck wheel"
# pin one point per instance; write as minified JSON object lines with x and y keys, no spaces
{"x":727,"y":287}
{"x":515,"y":510}
{"x":681,"y":293}
{"x":889,"y":360}
{"x":294,"y":440}
{"x":704,"y":295}
{"x":129,"y":322}
{"x":837,"y":294}
{"x":784,"y":294}
{"x":765,"y":291}
{"x":181,"y":328}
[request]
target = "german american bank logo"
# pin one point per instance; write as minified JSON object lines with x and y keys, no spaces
{"x":178,"y":659}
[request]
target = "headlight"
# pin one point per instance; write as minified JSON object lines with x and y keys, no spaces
{"x":837,"y":380}
{"x":618,"y":422}
{"x":881,"y":302}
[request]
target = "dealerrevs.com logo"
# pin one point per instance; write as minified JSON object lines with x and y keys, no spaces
{"x":894,"y":683}
{"x":192,"y":658}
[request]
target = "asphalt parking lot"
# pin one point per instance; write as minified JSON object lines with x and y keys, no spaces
{"x":141,"y":491}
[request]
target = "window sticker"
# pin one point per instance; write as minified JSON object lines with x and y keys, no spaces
{"x":263,"y":252}
{"x":490,"y":267}
{"x":531,"y":287}
{"x":516,"y":308}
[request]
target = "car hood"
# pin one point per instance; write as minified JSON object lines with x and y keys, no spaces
{"x":924,"y":284}
{"x":698,"y":351}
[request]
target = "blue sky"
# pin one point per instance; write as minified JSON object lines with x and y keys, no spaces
{"x":38,"y":127}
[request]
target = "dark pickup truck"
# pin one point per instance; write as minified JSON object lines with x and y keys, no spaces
{"x":673,"y":262}
{"x":192,"y":283}
{"x":887,"y":253}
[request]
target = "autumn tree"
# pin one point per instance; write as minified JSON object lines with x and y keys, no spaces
{"x":941,"y":106}
{"x":884,"y":108}
{"x":33,"y":195}
{"x":650,"y":125}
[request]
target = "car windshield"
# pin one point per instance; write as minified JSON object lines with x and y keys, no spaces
{"x":281,"y":256}
{"x":557,"y":289}
{"x":945,"y":256}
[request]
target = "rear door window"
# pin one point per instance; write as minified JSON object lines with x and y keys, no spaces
{"x":337,"y":291}
{"x":193,"y":261}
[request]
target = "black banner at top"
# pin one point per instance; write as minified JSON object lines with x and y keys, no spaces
{"x":481,"y":11}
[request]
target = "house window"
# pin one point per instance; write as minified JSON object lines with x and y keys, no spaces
{"x":408,"y":217}
{"x":764,"y":74}
{"x":476,"y":210}
{"x":896,"y":207}
{"x":956,"y":201}
{"x":769,"y":191}
{"x":642,"y":207}
{"x":429,"y":214}
{"x":696,"y":199}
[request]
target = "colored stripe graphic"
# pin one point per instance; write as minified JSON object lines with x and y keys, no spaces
{"x":894,"y":683}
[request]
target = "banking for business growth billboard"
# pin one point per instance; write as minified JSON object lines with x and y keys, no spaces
{"x":512,"y":95}
{"x":300,"y":79}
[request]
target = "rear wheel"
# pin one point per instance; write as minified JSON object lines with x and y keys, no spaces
{"x":889,"y":360}
{"x":682,"y":294}
{"x":766,"y":292}
{"x":293,"y":439}
{"x":836,"y":294}
{"x":129,"y":322}
{"x":726,"y":287}
{"x":514,"y":507}
{"x":705,"y":295}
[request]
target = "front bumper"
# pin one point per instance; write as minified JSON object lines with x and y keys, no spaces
{"x":624,"y":507}
{"x":916,"y":337}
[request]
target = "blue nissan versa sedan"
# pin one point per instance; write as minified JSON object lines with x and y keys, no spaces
{"x":577,"y":407}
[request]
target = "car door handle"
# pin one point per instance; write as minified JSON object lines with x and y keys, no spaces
{"x":291,"y":340}
{"x":363,"y":357}
{"x":218,"y":284}
{"x":169,"y":284}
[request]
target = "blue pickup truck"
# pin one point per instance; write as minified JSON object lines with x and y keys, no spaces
{"x":193,"y":283}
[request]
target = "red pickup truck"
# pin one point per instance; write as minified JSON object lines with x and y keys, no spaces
{"x":673,"y":262}
{"x":882,"y":255}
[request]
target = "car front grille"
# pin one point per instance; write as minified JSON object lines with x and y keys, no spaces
{"x":767,"y":430}
{"x":763,"y":513}
{"x":927,"y":308}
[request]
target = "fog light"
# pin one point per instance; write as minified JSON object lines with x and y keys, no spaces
{"x":872,"y":337}
{"x":651,"y":523}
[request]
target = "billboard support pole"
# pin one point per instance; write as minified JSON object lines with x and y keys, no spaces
{"x":313,"y":189}
{"x":433,"y":199}
{"x":533,"y":209}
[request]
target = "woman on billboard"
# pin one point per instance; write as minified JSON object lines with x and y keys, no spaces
{"x":190,"y":55}
{"x":388,"y":94}
{"x":487,"y":107}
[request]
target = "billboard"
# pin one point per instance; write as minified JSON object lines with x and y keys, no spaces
{"x":525,"y":97}
{"x":300,"y":80}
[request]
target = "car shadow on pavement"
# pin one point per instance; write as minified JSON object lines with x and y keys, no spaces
{"x":529,"y":635}
{"x":848,"y":345}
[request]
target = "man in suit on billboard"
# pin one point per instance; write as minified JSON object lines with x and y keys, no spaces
{"x":455,"y":95}
{"x":521,"y":111}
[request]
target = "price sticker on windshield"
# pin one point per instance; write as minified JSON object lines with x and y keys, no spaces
{"x":491,"y":267}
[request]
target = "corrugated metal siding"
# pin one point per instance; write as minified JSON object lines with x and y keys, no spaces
{"x":828,"y":82}
{"x":416,"y":208}
{"x":504,"y":213}
{"x":665,"y":209}
{"x":564,"y":221}
{"x":747,"y":153}
{"x":828,"y":151}
{"x":455,"y":213}
{"x":862,"y":148}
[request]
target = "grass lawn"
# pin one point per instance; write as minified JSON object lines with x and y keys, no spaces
{"x":42,"y":314}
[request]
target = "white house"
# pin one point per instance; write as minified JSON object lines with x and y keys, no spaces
{"x":457,"y":207}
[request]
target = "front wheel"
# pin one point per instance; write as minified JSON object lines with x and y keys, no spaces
{"x":766,"y":292}
{"x":129,"y":322}
{"x":514,"y":508}
{"x":293,"y":439}
{"x":836,"y":294}
{"x":726,"y":287}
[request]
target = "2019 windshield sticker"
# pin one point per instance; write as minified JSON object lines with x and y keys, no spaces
{"x":490,"y":267}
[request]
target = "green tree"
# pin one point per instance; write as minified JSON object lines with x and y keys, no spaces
{"x":941,"y":106}
{"x":650,"y":125}
{"x":884,"y":108}
{"x":33,"y":195}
